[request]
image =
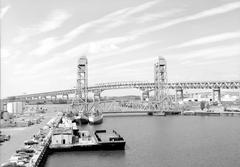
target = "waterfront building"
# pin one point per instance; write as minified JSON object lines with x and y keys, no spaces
{"x":62,"y":136}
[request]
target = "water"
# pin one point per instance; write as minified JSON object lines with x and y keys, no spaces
{"x":174,"y":141}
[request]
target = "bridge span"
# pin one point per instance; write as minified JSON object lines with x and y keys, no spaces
{"x":144,"y":86}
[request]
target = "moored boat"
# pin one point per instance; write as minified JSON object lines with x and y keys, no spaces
{"x":30,"y":142}
{"x":96,"y":118}
{"x":84,"y":119}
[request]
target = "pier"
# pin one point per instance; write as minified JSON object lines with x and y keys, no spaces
{"x":35,"y":150}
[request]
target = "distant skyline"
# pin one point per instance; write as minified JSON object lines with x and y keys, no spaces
{"x":41,"y":41}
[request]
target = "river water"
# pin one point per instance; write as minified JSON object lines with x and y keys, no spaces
{"x":171,"y":141}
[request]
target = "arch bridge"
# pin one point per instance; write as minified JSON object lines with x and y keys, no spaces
{"x":144,"y":86}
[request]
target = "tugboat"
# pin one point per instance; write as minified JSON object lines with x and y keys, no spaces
{"x":96,"y":117}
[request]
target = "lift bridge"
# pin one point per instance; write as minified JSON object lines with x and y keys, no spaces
{"x":160,"y":104}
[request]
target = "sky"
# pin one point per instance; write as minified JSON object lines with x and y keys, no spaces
{"x":41,"y":41}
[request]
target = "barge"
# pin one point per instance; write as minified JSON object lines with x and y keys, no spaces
{"x":109,"y":140}
{"x":74,"y":140}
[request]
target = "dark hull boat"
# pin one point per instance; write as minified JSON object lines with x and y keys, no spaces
{"x":84,"y":119}
{"x":81,"y":119}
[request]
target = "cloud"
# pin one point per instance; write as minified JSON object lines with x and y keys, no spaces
{"x":55,"y":20}
{"x":140,"y":8}
{"x":108,"y":22}
{"x":46,"y":45}
{"x":52,"y":22}
{"x":8,"y":54}
{"x":155,"y":16}
{"x":4,"y":11}
{"x":119,"y":50}
{"x":111,"y":20}
{"x":129,"y":63}
{"x":56,"y":42}
{"x":204,"y":14}
{"x":210,"y":53}
{"x":208,"y":39}
{"x":94,"y":50}
{"x":5,"y":53}
{"x":99,"y":46}
{"x":121,"y":17}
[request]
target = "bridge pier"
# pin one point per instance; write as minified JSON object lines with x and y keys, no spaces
{"x":179,"y":94}
{"x":43,"y":97}
{"x":53,"y":98}
{"x":145,"y":95}
{"x":65,"y":96}
{"x":97,"y":95}
{"x":28,"y":98}
{"x":216,"y":92}
{"x":36,"y":98}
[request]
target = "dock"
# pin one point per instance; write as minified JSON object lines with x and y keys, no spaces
{"x":214,"y":113}
{"x":35,"y":150}
{"x":60,"y":134}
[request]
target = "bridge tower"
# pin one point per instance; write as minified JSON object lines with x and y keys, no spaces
{"x":218,"y":92}
{"x":161,"y":87}
{"x":81,"y":95}
{"x":160,"y":78}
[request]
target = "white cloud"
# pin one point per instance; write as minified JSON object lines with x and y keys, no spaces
{"x":5,"y":53}
{"x":46,"y":45}
{"x":210,"y":53}
{"x":155,"y":16}
{"x":111,"y":20}
{"x":99,"y":46}
{"x":129,"y":63}
{"x":207,"y":13}
{"x":122,"y":16}
{"x":108,"y":22}
{"x":140,"y":8}
{"x":208,"y":39}
{"x":52,"y":22}
{"x":119,"y":50}
{"x":8,"y":54}
{"x":4,"y":11}
{"x":94,"y":50}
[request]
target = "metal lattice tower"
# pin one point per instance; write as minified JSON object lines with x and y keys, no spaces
{"x":161,"y":86}
{"x":81,"y":95}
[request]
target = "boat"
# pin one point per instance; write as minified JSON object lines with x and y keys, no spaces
{"x":109,"y":140}
{"x":84,"y":118}
{"x":30,"y":142}
{"x":9,"y":164}
{"x":81,"y":119}
{"x":4,"y":137}
{"x":96,"y":117}
{"x":77,"y":119}
{"x":26,"y":150}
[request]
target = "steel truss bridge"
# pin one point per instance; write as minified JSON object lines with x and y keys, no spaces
{"x":142,"y":85}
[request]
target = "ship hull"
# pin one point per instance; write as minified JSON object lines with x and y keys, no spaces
{"x":84,"y":119}
{"x":96,"y":119}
